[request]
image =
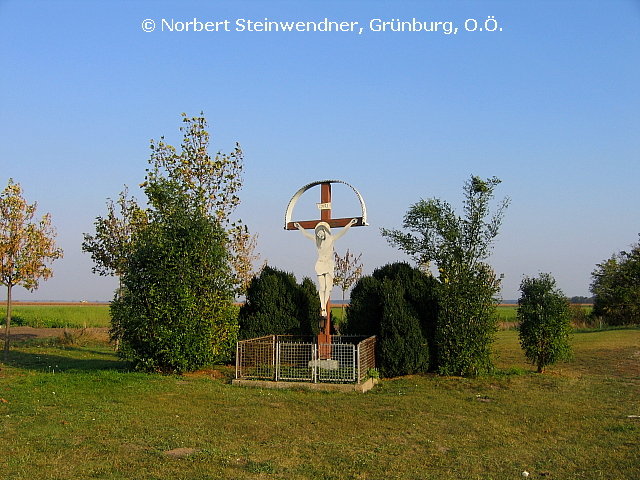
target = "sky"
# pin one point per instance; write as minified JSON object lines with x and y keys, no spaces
{"x":544,"y":95}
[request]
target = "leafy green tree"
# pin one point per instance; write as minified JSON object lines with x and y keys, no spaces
{"x":26,"y":246}
{"x":214,"y":181}
{"x":459,"y":246}
{"x":546,"y":321}
{"x":175,"y":313}
{"x":112,"y":243}
{"x":174,"y":324}
{"x":277,"y":305}
{"x":616,"y":288}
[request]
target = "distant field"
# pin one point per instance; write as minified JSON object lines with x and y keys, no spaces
{"x":58,"y":315}
{"x":507,"y":315}
{"x":80,"y":315}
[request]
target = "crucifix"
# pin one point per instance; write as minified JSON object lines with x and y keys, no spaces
{"x":324,"y":242}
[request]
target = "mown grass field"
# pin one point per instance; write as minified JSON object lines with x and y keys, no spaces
{"x":76,"y":412}
{"x":82,"y":316}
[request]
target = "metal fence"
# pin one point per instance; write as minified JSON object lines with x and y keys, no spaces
{"x":346,"y":359}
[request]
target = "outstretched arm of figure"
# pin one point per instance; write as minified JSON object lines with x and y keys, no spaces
{"x":344,"y":229}
{"x":304,"y":232}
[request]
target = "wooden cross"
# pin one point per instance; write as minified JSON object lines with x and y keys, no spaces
{"x":325,"y":213}
{"x":325,"y":216}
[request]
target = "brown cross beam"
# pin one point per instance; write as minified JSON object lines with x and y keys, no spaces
{"x":325,"y":213}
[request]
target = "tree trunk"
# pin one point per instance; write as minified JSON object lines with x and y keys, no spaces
{"x":7,"y":324}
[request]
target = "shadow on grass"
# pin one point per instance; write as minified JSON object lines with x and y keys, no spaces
{"x":66,"y":359}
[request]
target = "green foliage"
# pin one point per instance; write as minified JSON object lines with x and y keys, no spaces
{"x":277,"y":305}
{"x":112,"y":242}
{"x":467,"y":322}
{"x":364,"y":312}
{"x":616,"y":288}
{"x":469,"y":288}
{"x":401,"y":345}
{"x":397,"y":303}
{"x":546,"y":322}
{"x":175,"y":313}
{"x":214,"y":182}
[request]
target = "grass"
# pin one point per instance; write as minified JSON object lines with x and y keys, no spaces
{"x":79,"y":316}
{"x":77,"y":412}
{"x":58,"y":316}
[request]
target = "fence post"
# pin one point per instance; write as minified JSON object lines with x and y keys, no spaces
{"x":314,"y":362}
{"x":237,"y":359}
{"x":355,"y":361}
{"x":274,"y":343}
{"x":359,"y":361}
{"x":277,"y":363}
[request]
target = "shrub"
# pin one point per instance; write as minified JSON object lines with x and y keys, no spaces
{"x":175,"y":313}
{"x":277,"y":305}
{"x":546,"y":323}
{"x":467,"y":321}
{"x":402,"y":344}
{"x":459,"y":246}
{"x":397,"y":303}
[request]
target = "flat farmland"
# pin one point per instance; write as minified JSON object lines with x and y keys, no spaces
{"x":58,"y":314}
{"x":94,"y":315}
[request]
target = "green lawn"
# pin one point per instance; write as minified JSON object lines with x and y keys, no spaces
{"x":77,"y":413}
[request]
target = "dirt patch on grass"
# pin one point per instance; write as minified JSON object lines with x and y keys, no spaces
{"x":181,"y":452}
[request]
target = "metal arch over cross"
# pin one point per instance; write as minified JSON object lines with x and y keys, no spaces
{"x":325,"y":207}
{"x":324,"y":242}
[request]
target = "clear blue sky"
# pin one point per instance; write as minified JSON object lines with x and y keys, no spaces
{"x":549,"y":102}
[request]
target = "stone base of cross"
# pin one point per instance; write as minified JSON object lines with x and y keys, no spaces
{"x":325,"y":248}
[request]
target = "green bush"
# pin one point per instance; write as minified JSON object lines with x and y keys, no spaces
{"x":546,"y":322}
{"x":175,"y":313}
{"x":467,"y":321}
{"x":277,"y":305}
{"x":398,"y":304}
{"x":402,"y":344}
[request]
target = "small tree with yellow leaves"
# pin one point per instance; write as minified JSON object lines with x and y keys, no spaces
{"x":348,"y":270}
{"x":26,"y":246}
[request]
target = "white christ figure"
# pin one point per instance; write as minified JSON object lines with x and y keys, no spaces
{"x":325,"y":265}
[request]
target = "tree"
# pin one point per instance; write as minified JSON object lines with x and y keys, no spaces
{"x":26,"y":247}
{"x":242,"y":256}
{"x":112,"y":244}
{"x":616,"y":288}
{"x":167,"y":318}
{"x":175,"y":313}
{"x":213,"y":181}
{"x":546,"y":322}
{"x":459,"y":247}
{"x":348,"y":270}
